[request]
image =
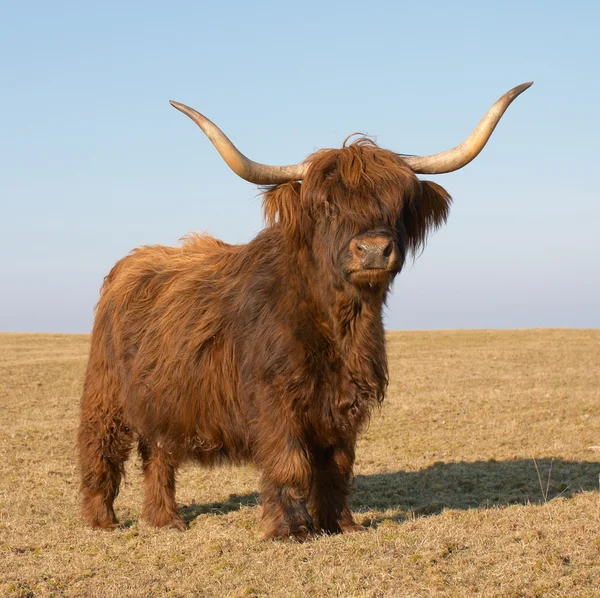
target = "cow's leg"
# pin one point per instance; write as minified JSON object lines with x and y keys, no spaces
{"x":284,"y":512}
{"x":330,"y":488}
{"x":285,"y":482}
{"x":103,"y":442}
{"x":159,"y":467}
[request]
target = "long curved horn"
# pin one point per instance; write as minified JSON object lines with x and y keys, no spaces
{"x":254,"y":172}
{"x":462,"y":154}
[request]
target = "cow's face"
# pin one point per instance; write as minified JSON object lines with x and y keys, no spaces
{"x":364,"y":252}
{"x":360,"y":210}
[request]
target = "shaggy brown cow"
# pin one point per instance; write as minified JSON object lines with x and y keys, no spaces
{"x":271,"y":352}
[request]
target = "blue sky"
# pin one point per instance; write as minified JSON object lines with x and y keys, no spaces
{"x":95,"y":162}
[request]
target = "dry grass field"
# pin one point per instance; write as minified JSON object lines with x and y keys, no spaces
{"x":475,"y":479}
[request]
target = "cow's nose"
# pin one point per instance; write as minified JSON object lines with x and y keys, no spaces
{"x":373,"y":251}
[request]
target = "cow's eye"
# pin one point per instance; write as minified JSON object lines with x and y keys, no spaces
{"x":331,"y":210}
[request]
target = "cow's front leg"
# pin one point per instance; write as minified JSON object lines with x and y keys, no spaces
{"x":285,"y":482}
{"x":331,"y":486}
{"x":284,"y":513}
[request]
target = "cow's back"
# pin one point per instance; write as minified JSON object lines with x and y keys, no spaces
{"x":160,"y":330}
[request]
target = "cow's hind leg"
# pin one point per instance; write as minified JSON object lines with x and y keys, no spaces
{"x":104,"y":442}
{"x":159,"y":466}
{"x":330,"y":488}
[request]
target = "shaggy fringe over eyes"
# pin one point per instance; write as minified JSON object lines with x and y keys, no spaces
{"x":364,"y":187}
{"x":427,"y":211}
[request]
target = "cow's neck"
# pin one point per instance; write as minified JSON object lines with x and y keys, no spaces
{"x":350,"y":322}
{"x":352,"y":318}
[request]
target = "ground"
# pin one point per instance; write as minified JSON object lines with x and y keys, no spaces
{"x":476,"y":478}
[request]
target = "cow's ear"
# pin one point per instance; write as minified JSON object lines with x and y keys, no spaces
{"x":426,"y":211}
{"x":282,"y":206}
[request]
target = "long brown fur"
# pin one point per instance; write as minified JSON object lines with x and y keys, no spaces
{"x":269,"y":352}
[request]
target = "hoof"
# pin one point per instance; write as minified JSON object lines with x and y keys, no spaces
{"x":352,"y":528}
{"x":167,"y":521}
{"x":98,"y":513}
{"x":107,"y":526}
{"x":284,"y":532}
{"x":179,"y":525}
{"x":174,"y":523}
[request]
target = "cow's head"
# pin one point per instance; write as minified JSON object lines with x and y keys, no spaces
{"x":360,"y":209}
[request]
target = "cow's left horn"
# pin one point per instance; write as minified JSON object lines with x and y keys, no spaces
{"x":254,"y":172}
{"x":462,"y":154}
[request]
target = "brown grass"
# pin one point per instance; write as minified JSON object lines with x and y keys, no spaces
{"x":446,"y":481}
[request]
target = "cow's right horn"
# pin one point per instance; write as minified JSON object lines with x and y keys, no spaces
{"x":254,"y":172}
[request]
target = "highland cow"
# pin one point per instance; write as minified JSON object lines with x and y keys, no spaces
{"x":272,"y":352}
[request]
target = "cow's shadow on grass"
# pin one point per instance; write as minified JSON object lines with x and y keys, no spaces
{"x":462,"y":485}
{"x":469,"y":485}
{"x":235,"y":502}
